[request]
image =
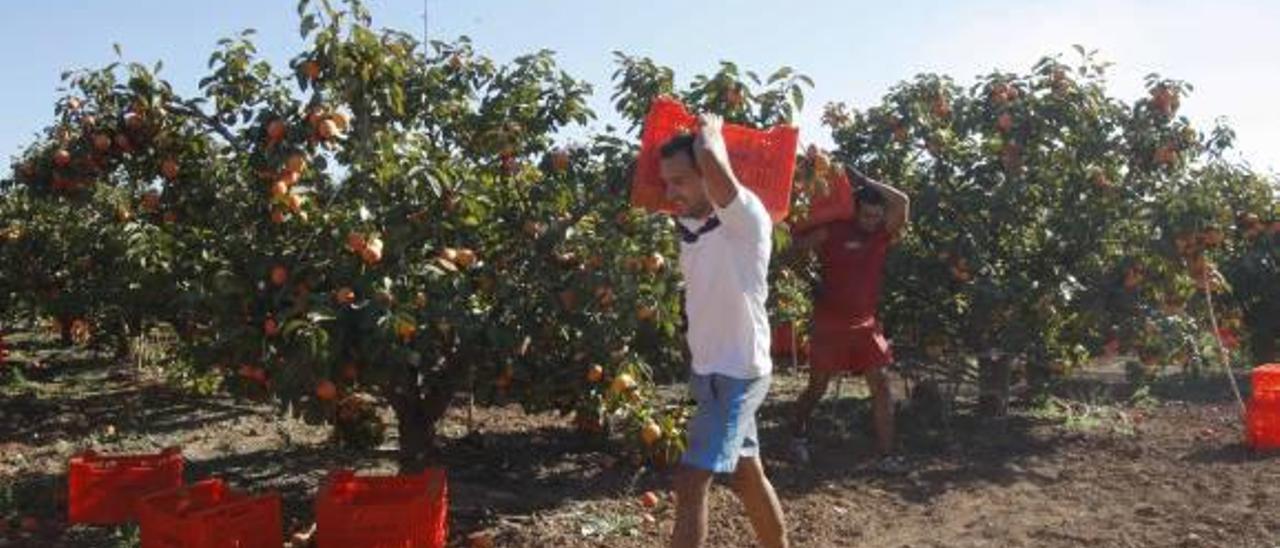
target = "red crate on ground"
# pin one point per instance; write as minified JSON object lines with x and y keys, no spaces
{"x":1265,"y":379}
{"x":781,"y":339}
{"x":784,"y":338}
{"x":104,"y":490}
{"x":764,"y":160}
{"x":382,"y":511}
{"x":1262,"y":417}
{"x":208,"y":514}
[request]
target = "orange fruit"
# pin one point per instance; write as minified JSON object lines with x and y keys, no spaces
{"x":646,"y":313}
{"x":1100,"y":180}
{"x":568,"y":299}
{"x":534,"y":229}
{"x":345,"y":296}
{"x":372,"y":253}
{"x":1004,"y":123}
{"x":294,"y":202}
{"x":595,"y":374}
{"x":326,"y":390}
{"x":279,"y":275}
{"x":355,"y":242}
{"x":480,"y":539}
{"x":406,"y":330}
{"x":328,"y":129}
{"x":311,"y":70}
{"x":651,"y":433}
{"x":276,"y":130}
{"x":169,"y":169}
{"x":654,"y":263}
{"x":296,"y":163}
{"x":622,"y":384}
{"x":341,"y":121}
{"x":61,"y":158}
{"x":279,"y":189}
{"x":101,"y":142}
{"x":277,"y":216}
{"x":560,"y":161}
{"x":466,"y":258}
{"x":350,"y":371}
{"x":133,"y":121}
{"x":649,"y":499}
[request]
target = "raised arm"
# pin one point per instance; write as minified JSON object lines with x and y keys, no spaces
{"x":897,"y":204}
{"x":713,"y":161}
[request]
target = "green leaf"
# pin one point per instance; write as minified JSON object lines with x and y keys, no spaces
{"x":308,"y":25}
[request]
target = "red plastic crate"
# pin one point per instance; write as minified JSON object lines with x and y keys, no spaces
{"x":1262,"y":417}
{"x":832,"y":201}
{"x":382,"y":511}
{"x":104,"y":490}
{"x":782,"y":340}
{"x":208,"y":514}
{"x":763,"y":160}
{"x":1266,"y":379}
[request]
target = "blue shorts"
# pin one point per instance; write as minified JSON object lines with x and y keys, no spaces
{"x":723,"y":428}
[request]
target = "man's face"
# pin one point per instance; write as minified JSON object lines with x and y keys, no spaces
{"x":684,"y":186}
{"x":870,"y":217}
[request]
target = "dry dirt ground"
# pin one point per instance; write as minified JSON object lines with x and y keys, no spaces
{"x":1094,"y":467}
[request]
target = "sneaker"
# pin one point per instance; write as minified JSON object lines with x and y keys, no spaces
{"x":800,"y":451}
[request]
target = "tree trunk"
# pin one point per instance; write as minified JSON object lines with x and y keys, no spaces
{"x":416,"y":436}
{"x":418,"y":409}
{"x":994,"y":379}
{"x":1264,"y":343}
{"x":64,"y":326}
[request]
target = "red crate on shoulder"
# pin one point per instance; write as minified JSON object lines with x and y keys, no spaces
{"x":209,"y":514}
{"x":764,"y":160}
{"x":104,"y":490}
{"x":382,"y":511}
{"x":832,"y":201}
{"x":1262,"y":417}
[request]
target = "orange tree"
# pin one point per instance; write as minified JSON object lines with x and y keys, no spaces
{"x":391,"y":221}
{"x":383,"y":220}
{"x":87,"y":247}
{"x":1038,"y":202}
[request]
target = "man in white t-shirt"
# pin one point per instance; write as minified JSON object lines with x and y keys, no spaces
{"x":726,"y":238}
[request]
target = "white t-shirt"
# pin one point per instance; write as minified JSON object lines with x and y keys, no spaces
{"x":726,"y":276}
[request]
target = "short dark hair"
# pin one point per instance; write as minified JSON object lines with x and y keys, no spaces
{"x":682,"y":143}
{"x":869,"y":196}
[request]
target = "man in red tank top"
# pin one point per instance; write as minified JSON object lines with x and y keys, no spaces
{"x":846,"y":333}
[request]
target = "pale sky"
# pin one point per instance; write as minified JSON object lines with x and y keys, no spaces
{"x":854,"y":50}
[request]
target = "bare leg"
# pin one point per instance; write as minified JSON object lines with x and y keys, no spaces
{"x":818,"y":382}
{"x":761,"y":502}
{"x":691,"y":486}
{"x":882,"y":410}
